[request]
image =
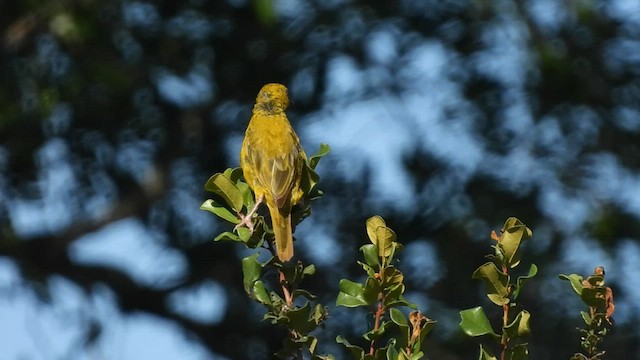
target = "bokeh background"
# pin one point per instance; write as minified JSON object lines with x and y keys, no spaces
{"x":445,"y":117}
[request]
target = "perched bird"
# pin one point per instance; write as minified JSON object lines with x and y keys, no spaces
{"x":272,"y":160}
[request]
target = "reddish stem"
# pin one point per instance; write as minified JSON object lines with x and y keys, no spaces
{"x":379,"y":312}
{"x":285,"y":290}
{"x":505,"y":322}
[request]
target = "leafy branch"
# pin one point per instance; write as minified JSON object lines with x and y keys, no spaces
{"x":599,"y":299}
{"x":382,"y":293}
{"x":502,"y":291}
{"x":290,"y":306}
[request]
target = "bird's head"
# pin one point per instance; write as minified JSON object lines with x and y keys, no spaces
{"x":273,"y":98}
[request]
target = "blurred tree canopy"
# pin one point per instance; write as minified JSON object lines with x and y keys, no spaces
{"x":445,"y":116}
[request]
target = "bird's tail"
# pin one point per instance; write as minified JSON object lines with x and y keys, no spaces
{"x":282,"y":231}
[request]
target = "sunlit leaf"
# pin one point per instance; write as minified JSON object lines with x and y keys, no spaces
{"x":514,"y":232}
{"x":392,"y":276}
{"x":398,"y":317}
{"x":373,"y":223}
{"x":575,"y":280}
{"x":244,"y":234}
{"x":496,"y":282}
{"x":315,"y":158}
{"x":227,"y":189}
{"x":229,"y":236}
{"x":309,"y":270}
{"x":385,"y":238}
{"x":220,"y":210}
{"x":519,"y":326}
{"x":533,"y":270}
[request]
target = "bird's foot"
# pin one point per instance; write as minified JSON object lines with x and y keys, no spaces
{"x":245,"y":220}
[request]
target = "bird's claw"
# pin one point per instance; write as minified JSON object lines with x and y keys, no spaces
{"x":245,"y":220}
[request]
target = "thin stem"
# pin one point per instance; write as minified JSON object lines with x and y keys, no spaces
{"x":378,"y":316}
{"x":505,"y":321}
{"x":288,"y":298}
{"x":285,"y":289}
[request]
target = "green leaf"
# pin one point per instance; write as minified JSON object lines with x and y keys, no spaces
{"x":575,"y":280}
{"x":368,"y":269}
{"x":380,"y":235}
{"x":244,"y":234}
{"x":370,"y":253}
{"x":260,"y":293}
{"x":514,"y":232}
{"x":227,"y":189}
{"x":351,"y":294}
{"x":309,"y":270}
{"x":518,"y":352}
{"x":299,"y":319}
{"x":392,"y":276}
{"x":323,"y":357}
{"x":402,"y":301}
{"x":405,"y":330}
{"x":319,"y":314}
{"x":496,"y":283}
{"x":533,"y":270}
{"x":398,"y":317}
{"x":234,"y":174}
{"x":486,"y":354}
{"x":474,"y":322}
{"x":375,"y":334}
{"x":519,"y":327}
{"x":392,"y":353}
{"x":371,"y":290}
{"x":227,"y":236}
{"x":251,"y":270}
{"x":385,"y":238}
{"x":586,"y":317}
{"x":221,"y":211}
{"x":426,"y":329}
{"x":315,"y":158}
{"x":356,"y":351}
{"x":373,"y":223}
{"x":594,"y":298}
{"x":302,"y":292}
{"x":393,"y":294}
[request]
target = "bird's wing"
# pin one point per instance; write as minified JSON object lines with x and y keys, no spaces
{"x":282,"y":177}
{"x":274,"y":175}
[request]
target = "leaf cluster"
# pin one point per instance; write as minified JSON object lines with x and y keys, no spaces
{"x":503,"y":291}
{"x":599,"y":300}
{"x":291,"y":307}
{"x":382,"y":291}
{"x":300,"y":320}
{"x":236,"y":197}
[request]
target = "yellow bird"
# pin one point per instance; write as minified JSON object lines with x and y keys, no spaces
{"x":272,"y":159}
